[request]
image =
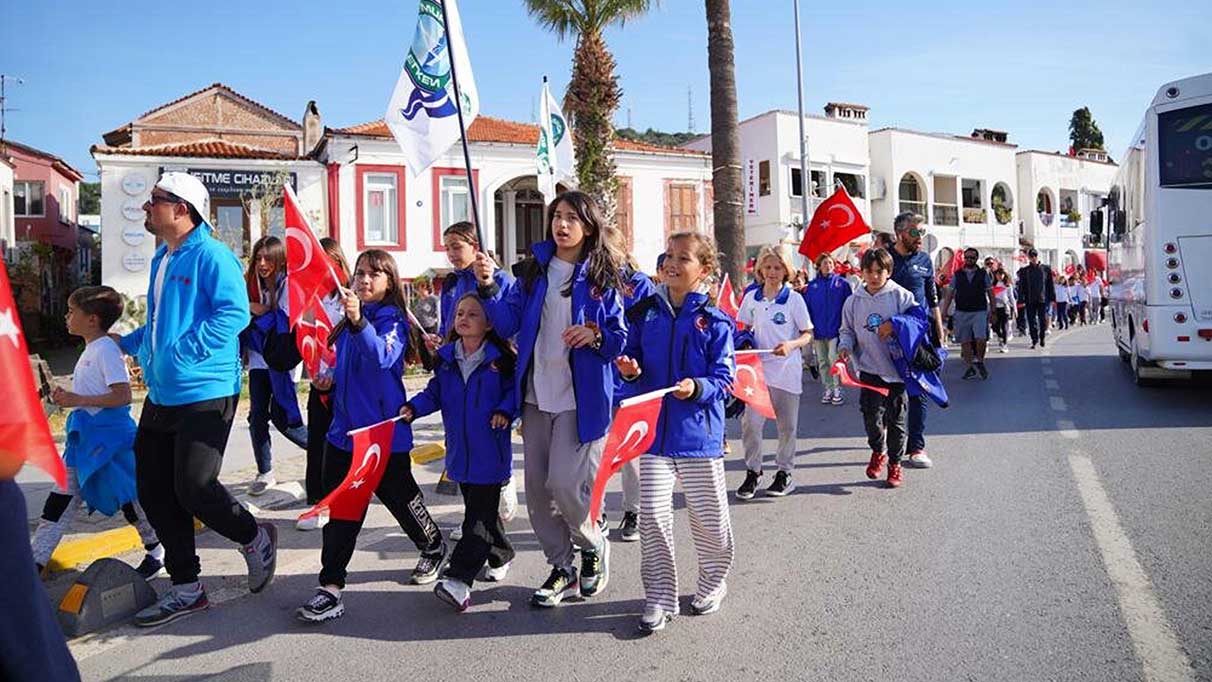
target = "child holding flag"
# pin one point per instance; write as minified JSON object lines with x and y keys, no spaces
{"x":688,"y":446}
{"x":825,"y":295}
{"x":368,"y":388}
{"x":780,"y":322}
{"x":473,"y":387}
{"x":100,"y":434}
{"x":568,"y":316}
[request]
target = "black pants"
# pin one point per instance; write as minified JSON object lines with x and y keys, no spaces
{"x":1001,"y":323}
{"x":319,"y":418}
{"x":398,"y":491}
{"x":1062,"y":315}
{"x":31,"y":644}
{"x":1037,"y":320}
{"x":178,"y":454}
{"x":885,"y":417}
{"x":484,"y":539}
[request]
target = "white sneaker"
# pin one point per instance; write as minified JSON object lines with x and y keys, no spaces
{"x":508,"y":507}
{"x":701,"y":606}
{"x":919,"y":460}
{"x":654,"y":619}
{"x":262,"y":483}
{"x":495,"y":575}
{"x":313,"y":522}
{"x":1004,"y":349}
{"x":827,"y":396}
{"x":838,"y":399}
{"x":454,"y":592}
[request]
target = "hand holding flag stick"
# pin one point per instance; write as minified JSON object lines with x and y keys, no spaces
{"x":372,"y":452}
{"x":840,"y":371}
{"x":631,"y":434}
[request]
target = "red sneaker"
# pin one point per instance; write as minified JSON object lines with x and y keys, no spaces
{"x":894,"y":475}
{"x":876,"y":466}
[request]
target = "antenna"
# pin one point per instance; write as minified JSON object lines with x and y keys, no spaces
{"x":629,"y":117}
{"x":3,"y":108}
{"x":690,"y":108}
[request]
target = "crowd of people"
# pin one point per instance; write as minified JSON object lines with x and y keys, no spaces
{"x":556,"y":344}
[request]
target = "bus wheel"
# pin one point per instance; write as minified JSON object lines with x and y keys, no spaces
{"x":1137,"y":364}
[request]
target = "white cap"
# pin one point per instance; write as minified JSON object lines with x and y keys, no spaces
{"x":188,"y":188}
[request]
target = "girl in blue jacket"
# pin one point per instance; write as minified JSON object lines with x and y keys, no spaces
{"x":368,"y":388}
{"x":825,"y":295}
{"x":567,"y":314}
{"x":472,"y":385}
{"x":677,"y":337}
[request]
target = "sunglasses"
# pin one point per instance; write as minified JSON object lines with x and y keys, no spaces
{"x":916,"y":232}
{"x":165,"y":199}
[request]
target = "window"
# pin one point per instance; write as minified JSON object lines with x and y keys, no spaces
{"x":27,"y":200}
{"x":763,"y":178}
{"x":380,"y":207}
{"x":682,"y":207}
{"x":451,"y":200}
{"x":622,"y":211}
{"x":855,"y":184}
{"x":819,"y":189}
{"x":275,"y":222}
{"x":65,"y":204}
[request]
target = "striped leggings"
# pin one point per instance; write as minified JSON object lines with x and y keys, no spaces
{"x":710,"y":526}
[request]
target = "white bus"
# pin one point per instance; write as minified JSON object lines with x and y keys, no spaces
{"x":1160,"y":220}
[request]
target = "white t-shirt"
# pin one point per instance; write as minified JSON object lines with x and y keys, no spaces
{"x":550,"y":387}
{"x":1062,"y":293}
{"x":1095,"y":290}
{"x":774,"y":321}
{"x":156,"y":291}
{"x":99,"y":366}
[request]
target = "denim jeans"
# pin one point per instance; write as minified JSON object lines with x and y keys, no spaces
{"x":917,"y":422}
{"x":262,"y":410}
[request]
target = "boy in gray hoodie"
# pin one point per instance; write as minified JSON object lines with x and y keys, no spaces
{"x":866,"y":335}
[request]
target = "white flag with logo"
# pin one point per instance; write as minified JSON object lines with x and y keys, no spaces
{"x":556,"y":158}
{"x":422,"y":115}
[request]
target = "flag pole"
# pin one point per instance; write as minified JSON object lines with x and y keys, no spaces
{"x":805,"y":175}
{"x":454,"y":79}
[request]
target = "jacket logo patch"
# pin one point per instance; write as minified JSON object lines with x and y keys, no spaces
{"x":182,"y":279}
{"x":595,"y":293}
{"x":628,"y":291}
{"x":701,"y":323}
{"x":780,"y":318}
{"x":492,"y":366}
{"x":650,"y":315}
{"x":874,"y":320}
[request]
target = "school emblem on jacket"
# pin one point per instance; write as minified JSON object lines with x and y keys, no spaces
{"x":779,"y":318}
{"x":595,"y":292}
{"x":874,"y":320}
{"x":628,"y":290}
{"x":701,"y":322}
{"x":390,"y":339}
{"x":650,"y":315}
{"x":492,"y":366}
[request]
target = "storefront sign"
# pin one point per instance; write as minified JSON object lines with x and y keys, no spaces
{"x":134,"y":261}
{"x":134,"y":184}
{"x":230,"y":184}
{"x":133,"y":235}
{"x":132,"y":209}
{"x":751,"y":193}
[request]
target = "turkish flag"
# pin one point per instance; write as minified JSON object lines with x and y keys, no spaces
{"x":312,"y":338}
{"x":728,"y":301}
{"x":750,"y":385}
{"x":309,"y":273}
{"x":999,"y":289}
{"x":955,"y":265}
{"x":24,"y":433}
{"x":1070,"y":269}
{"x":834,"y":223}
{"x":372,"y":450}
{"x":631,"y":433}
{"x":840,"y":370}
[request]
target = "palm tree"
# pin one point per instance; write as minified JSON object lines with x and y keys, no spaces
{"x":725,"y":142}
{"x":593,"y":93}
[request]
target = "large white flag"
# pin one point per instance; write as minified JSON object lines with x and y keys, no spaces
{"x":422,"y":115}
{"x":556,"y":159}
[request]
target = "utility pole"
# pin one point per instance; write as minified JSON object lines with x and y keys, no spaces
{"x":805,"y":176}
{"x":3,"y":108}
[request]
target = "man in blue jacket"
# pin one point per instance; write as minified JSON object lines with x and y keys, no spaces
{"x":197,"y":305}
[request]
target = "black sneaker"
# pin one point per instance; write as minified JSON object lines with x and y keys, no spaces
{"x":629,"y":527}
{"x":323,"y":606}
{"x":595,"y":569}
{"x":558,"y":586}
{"x":171,"y":605}
{"x":749,"y":487}
{"x":150,"y":567}
{"x":428,"y":566}
{"x":970,"y":373}
{"x":1042,"y":344}
{"x":980,"y":367}
{"x":782,"y":484}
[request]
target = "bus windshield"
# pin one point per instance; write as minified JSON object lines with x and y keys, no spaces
{"x":1184,"y":138}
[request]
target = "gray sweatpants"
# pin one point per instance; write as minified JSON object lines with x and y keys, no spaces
{"x":787,"y":417}
{"x":559,"y":480}
{"x":631,"y":486}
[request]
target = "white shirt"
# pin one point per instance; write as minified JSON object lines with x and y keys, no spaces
{"x":550,"y":387}
{"x":1062,"y":293}
{"x":100,"y":366}
{"x":159,"y":287}
{"x":773,"y":323}
{"x":469,"y":363}
{"x":1095,"y":290}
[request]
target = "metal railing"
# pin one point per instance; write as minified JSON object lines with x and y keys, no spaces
{"x":918,"y":207}
{"x":946,"y":214}
{"x":975,"y":215}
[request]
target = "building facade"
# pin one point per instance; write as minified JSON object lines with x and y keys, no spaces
{"x":1058,"y":192}
{"x":8,"y":228}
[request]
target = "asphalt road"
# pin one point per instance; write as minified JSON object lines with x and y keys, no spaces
{"x":1064,"y":534}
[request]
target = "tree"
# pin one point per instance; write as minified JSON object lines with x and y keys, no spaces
{"x":593,"y":94}
{"x":656,"y":137}
{"x":1083,"y":131}
{"x":725,"y":142}
{"x":90,"y":198}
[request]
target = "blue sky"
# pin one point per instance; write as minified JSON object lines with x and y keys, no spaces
{"x":943,"y":66}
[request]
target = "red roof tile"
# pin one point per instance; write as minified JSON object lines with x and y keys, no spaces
{"x":215,"y":149}
{"x":489,"y":129}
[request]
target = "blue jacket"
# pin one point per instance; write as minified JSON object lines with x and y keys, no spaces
{"x":915,"y":272}
{"x":825,"y":296}
{"x":475,"y":452}
{"x":697,"y":344}
{"x":368,"y":381}
{"x":99,"y":448}
{"x":912,"y":329}
{"x":458,"y":284}
{"x":514,"y":310}
{"x":203,"y":308}
{"x":639,"y":286}
{"x":282,"y":384}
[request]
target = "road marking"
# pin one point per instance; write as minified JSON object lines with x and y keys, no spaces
{"x":1067,"y":429}
{"x":1051,"y":384}
{"x":1154,"y":640}
{"x":1048,"y":371}
{"x":1046,"y":361}
{"x":1058,"y":403}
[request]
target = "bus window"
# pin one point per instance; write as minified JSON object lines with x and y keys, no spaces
{"x":1184,"y":144}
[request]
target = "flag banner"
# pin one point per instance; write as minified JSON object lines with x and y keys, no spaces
{"x":728,"y":302}
{"x":312,"y":338}
{"x":309,"y":273}
{"x":371,"y":450}
{"x":24,"y":432}
{"x":750,"y":385}
{"x":422,"y":114}
{"x":834,"y":223}
{"x":631,"y":433}
{"x":999,"y":289}
{"x":840,"y":371}
{"x":555,"y":155}
{"x":955,"y":264}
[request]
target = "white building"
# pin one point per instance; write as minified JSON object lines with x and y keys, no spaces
{"x":1058,"y":192}
{"x":770,"y":151}
{"x":8,"y":228}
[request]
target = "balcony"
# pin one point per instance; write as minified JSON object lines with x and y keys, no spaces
{"x":946,"y":214}
{"x":975,"y":215}
{"x":918,"y":207}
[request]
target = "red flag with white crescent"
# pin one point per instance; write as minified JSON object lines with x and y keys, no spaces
{"x":728,"y":301}
{"x":834,"y":223}
{"x":750,"y":384}
{"x":309,"y":273}
{"x":24,"y":433}
{"x":312,"y":339}
{"x":840,"y":370}
{"x":371,"y":451}
{"x":631,"y":434}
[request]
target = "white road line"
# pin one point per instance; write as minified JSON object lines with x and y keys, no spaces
{"x":1058,"y":403}
{"x":1045,"y":361}
{"x":1067,"y":429}
{"x":1051,"y":384}
{"x":1048,"y":371}
{"x":1153,"y":639}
